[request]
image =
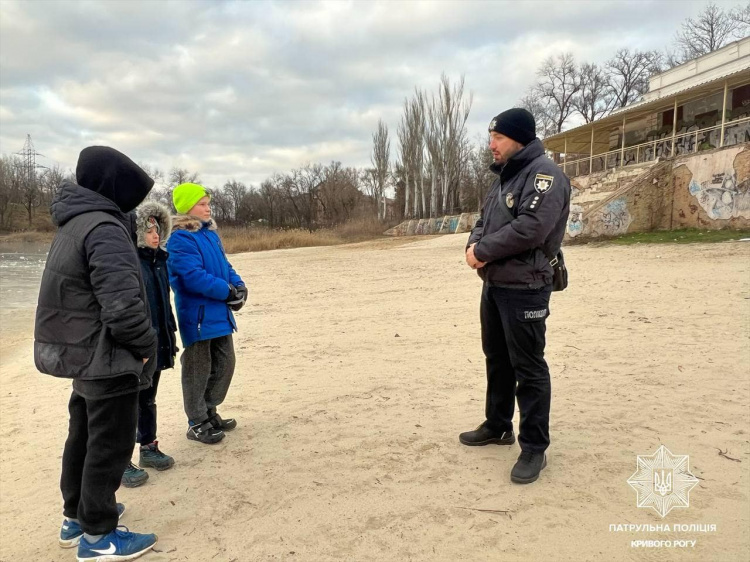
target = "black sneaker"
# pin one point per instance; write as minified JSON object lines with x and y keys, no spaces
{"x":528,"y":467}
{"x":224,"y":424}
{"x":483,"y":435}
{"x":205,"y":433}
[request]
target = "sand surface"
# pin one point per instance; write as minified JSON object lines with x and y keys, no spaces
{"x":357,"y":368}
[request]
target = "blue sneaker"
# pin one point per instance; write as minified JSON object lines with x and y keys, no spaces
{"x":71,"y":532}
{"x":120,"y":544}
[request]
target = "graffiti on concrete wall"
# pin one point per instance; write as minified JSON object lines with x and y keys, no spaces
{"x":612,"y":220}
{"x":721,"y":196}
{"x":716,"y":187}
{"x":615,"y":217}
{"x":575,"y":220}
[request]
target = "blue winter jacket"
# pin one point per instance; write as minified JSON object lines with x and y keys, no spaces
{"x":200,"y":274}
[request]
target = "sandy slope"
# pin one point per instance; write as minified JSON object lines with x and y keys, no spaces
{"x":357,"y":368}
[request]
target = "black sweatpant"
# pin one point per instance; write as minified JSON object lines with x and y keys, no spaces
{"x":513,"y":340}
{"x":101,"y":436}
{"x":147,"y":412}
{"x":207,"y":369}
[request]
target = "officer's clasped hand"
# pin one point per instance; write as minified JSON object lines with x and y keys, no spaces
{"x":471,"y":259}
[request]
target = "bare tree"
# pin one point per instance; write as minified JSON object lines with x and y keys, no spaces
{"x":50,"y":180}
{"x":380,"y":159}
{"x":154,"y":173}
{"x":405,"y":137}
{"x":299,"y":188}
{"x":11,"y":176}
{"x":338,"y":194}
{"x":235,"y":191}
{"x":559,"y":82}
{"x":221,"y":205}
{"x":164,"y":184}
{"x":445,"y":136}
{"x":457,"y":110}
{"x":545,"y":123}
{"x":419,"y":130}
{"x":178,"y":176}
{"x":629,"y":72}
{"x":711,"y":30}
{"x":30,"y":194}
{"x":742,"y":14}
{"x":594,"y":99}
{"x":270,"y":196}
{"x":434,"y":162}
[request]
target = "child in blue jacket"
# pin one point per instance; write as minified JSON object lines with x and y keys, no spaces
{"x":206,"y":290}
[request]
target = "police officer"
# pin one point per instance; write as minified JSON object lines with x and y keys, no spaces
{"x":522,"y":224}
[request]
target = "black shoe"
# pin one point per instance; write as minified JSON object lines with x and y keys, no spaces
{"x":225,"y":425}
{"x":483,"y":435}
{"x":205,"y":433}
{"x":528,"y":467}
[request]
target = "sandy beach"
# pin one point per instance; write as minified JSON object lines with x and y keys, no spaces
{"x":357,"y":368}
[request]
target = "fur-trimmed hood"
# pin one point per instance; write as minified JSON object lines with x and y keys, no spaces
{"x":190,"y":223}
{"x":163,"y":219}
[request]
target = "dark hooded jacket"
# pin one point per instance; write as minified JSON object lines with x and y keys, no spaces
{"x":92,"y":320}
{"x":516,"y":240}
{"x":156,"y":280}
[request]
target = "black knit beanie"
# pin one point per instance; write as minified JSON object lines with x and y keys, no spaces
{"x":115,"y":176}
{"x":517,"y":124}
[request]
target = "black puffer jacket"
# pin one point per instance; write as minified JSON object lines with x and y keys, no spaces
{"x":156,"y":280}
{"x":513,"y":241}
{"x":92,"y":318}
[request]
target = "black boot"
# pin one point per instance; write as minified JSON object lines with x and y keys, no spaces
{"x":483,"y":435}
{"x":224,"y":424}
{"x":528,"y":467}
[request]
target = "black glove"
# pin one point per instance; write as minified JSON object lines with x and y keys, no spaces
{"x":237,"y":297}
{"x":234,"y":295}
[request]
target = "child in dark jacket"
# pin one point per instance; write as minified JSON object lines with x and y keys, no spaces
{"x":153,"y":227}
{"x":206,"y":289}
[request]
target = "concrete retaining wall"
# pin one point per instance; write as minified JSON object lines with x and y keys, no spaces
{"x":708,"y":190}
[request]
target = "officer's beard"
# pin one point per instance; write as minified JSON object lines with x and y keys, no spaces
{"x":505,"y":156}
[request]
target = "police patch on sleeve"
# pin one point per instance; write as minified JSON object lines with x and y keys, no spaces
{"x":543,"y":183}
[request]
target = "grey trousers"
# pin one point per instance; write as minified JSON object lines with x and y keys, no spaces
{"x":207,"y":369}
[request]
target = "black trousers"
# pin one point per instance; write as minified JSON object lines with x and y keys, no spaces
{"x":101,"y":436}
{"x":513,"y":339}
{"x":207,"y":369}
{"x":147,"y":412}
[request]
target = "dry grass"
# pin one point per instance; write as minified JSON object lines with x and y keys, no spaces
{"x":27,"y":237}
{"x":239,"y":239}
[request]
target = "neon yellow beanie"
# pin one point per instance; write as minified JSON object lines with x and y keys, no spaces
{"x":186,"y":195}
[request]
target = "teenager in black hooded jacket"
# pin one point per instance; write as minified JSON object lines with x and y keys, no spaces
{"x":93,"y":325}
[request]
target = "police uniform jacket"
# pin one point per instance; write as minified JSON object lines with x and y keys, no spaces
{"x":523,"y":220}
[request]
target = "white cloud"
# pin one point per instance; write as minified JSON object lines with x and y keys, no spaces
{"x":244,"y":89}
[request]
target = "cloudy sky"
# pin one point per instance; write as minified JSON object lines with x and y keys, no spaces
{"x":241,"y":89}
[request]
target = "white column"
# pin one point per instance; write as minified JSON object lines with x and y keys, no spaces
{"x":674,"y":126}
{"x":723,"y":114}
